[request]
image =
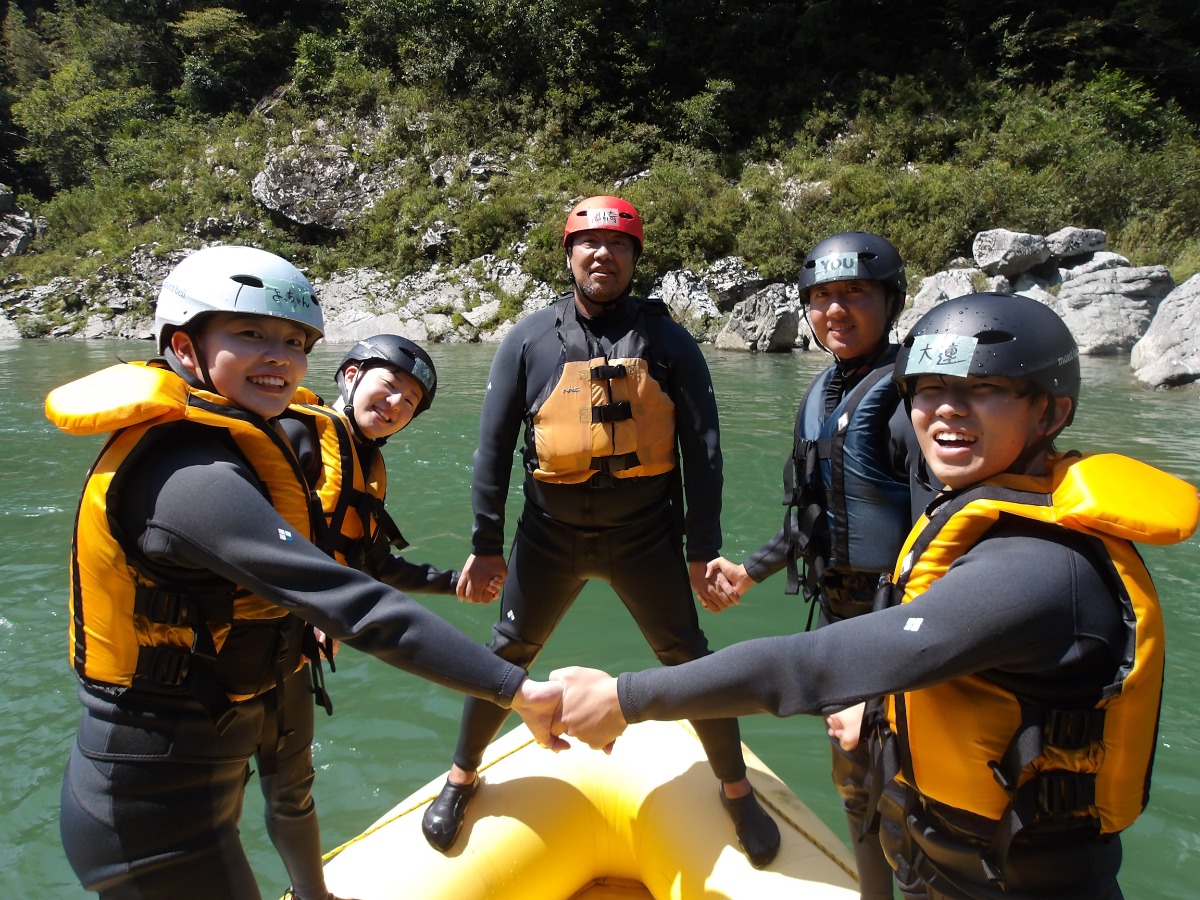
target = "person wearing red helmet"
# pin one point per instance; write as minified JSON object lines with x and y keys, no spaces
{"x":622,"y":465}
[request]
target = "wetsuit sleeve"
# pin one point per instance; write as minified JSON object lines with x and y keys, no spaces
{"x":197,"y":512}
{"x":500,"y":423}
{"x":1014,"y":604}
{"x":699,"y":435}
{"x":416,"y":578}
{"x":768,"y":559}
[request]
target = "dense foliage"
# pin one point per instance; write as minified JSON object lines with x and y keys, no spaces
{"x":753,"y":128}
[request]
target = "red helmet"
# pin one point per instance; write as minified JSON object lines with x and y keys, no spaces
{"x":610,"y":213}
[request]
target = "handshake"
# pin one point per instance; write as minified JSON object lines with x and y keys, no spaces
{"x":575,"y":701}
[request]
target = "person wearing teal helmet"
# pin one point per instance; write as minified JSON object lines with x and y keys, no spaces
{"x":193,"y":575}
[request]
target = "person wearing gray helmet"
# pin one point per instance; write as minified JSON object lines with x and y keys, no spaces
{"x":850,"y":483}
{"x":1020,"y":662}
{"x":193,"y":574}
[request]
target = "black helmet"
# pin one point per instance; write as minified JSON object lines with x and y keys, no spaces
{"x":393,"y":350}
{"x":853,"y":256}
{"x":1006,"y":335}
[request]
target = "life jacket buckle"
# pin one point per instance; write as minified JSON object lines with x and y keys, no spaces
{"x":164,"y":607}
{"x":607,"y":373}
{"x":611,"y":412}
{"x":163,"y":665}
{"x":1073,"y":729}
{"x":1064,"y":793}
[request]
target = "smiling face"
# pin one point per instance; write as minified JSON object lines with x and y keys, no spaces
{"x":602,"y":263}
{"x":973,"y":428}
{"x":385,"y":399}
{"x":255,"y":361}
{"x":849,"y":318}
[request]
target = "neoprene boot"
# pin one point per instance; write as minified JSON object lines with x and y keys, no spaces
{"x":444,"y":818}
{"x":757,"y":832}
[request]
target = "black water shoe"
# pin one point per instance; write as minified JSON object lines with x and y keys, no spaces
{"x":444,"y":818}
{"x":757,"y":832}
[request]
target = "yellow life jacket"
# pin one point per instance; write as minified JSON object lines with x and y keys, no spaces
{"x":972,"y":745}
{"x":127,"y":629}
{"x":350,"y":494}
{"x":602,"y":414}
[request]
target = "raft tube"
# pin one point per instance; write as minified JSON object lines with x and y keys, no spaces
{"x":643,"y":822}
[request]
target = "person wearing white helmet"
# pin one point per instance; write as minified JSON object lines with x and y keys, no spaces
{"x":1020,"y":658}
{"x":193,"y":576}
{"x":622,"y":467}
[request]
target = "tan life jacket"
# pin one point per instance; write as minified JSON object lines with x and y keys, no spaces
{"x":602,"y":414}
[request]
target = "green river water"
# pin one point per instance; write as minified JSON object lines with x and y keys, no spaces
{"x":393,"y":732}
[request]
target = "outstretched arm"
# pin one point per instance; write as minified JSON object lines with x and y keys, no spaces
{"x":591,"y":711}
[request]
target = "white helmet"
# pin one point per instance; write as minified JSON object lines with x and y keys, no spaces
{"x":236,"y":279}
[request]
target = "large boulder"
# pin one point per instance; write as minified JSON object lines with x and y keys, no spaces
{"x":765,"y":323}
{"x":1071,"y":242}
{"x":1110,"y":310}
{"x":318,"y":181}
{"x":1168,"y":355}
{"x":1004,"y":252}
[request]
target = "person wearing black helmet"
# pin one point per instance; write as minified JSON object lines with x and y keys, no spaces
{"x":193,"y":571}
{"x":1021,"y":662}
{"x":848,"y":488}
{"x":384,"y":382}
{"x":620,"y":426}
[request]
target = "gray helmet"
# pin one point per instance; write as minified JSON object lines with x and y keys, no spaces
{"x":235,"y":279}
{"x":392,"y":350}
{"x":855,"y":256}
{"x":1005,"y":335}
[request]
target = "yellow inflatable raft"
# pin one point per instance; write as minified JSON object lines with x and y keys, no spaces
{"x":645,"y":822}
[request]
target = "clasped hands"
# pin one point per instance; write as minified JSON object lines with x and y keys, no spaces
{"x":575,"y":701}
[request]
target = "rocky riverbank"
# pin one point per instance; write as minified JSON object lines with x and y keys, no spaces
{"x":1112,"y":307}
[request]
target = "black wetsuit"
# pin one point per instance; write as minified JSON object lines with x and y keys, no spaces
{"x":626,"y":531}
{"x":1028,"y":601}
{"x":153,"y":790}
{"x":896,"y":451}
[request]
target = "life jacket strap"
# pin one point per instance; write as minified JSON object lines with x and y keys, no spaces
{"x":620,"y":411}
{"x":610,"y":465}
{"x":607,"y":372}
{"x":1050,"y":797}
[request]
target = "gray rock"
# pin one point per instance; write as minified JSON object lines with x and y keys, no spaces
{"x":1109,"y":311}
{"x":1004,"y":252}
{"x":765,"y":323}
{"x":1168,"y":355}
{"x":1071,"y":242}
{"x":18,"y":229}
{"x":318,"y":182}
{"x":938,"y":288}
{"x":1095,"y":262}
